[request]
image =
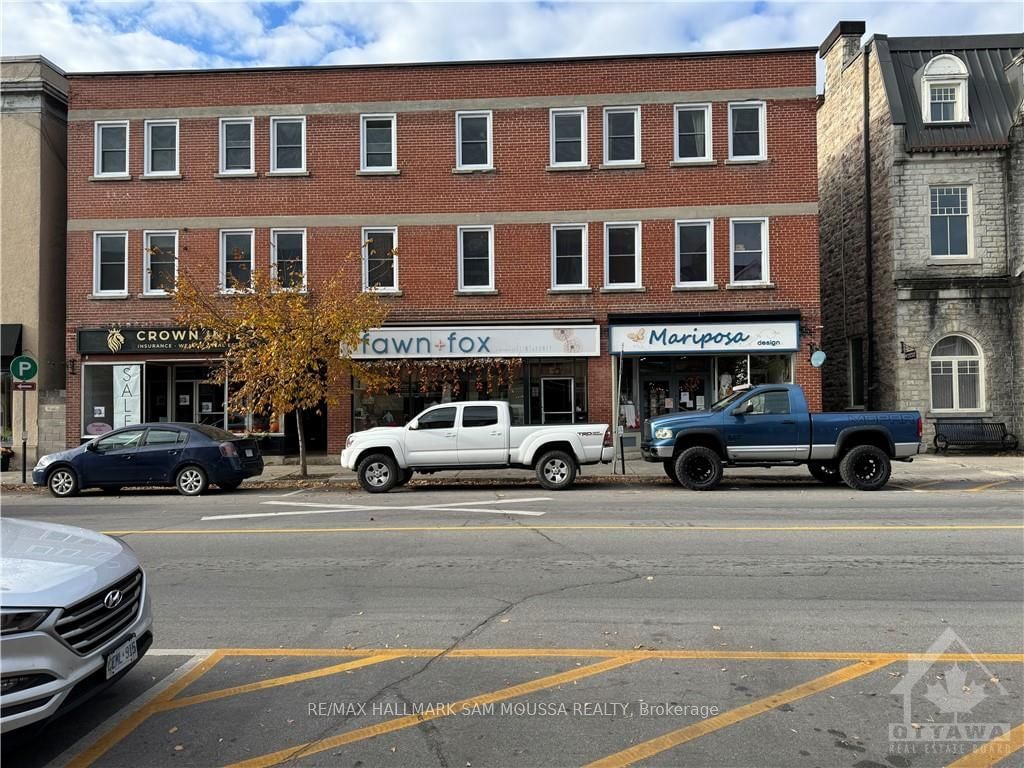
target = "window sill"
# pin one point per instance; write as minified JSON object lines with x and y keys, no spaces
{"x":556,"y":291}
{"x":226,"y":292}
{"x":287,"y":173}
{"x":482,"y":292}
{"x":959,"y":415}
{"x":164,"y":296}
{"x":108,"y":297}
{"x":747,"y":161}
{"x":576,"y":167}
{"x":946,"y":123}
{"x":383,"y":293}
{"x":621,"y":166}
{"x":749,"y":286}
{"x":381,"y":172}
{"x":952,"y":261}
{"x":695,"y":287}
{"x":118,"y":177}
{"x":239,"y":175}
{"x":624,"y":289}
{"x":688,"y":163}
{"x":159,"y":176}
{"x":462,"y":171}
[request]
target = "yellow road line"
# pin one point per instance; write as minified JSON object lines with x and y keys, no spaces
{"x":527,"y":529}
{"x":129,"y":724}
{"x":994,"y":751}
{"x":389,"y":726}
{"x":987,"y":486}
{"x":696,"y":730}
{"x":273,"y":682}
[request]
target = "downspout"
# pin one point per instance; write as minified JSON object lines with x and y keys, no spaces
{"x":869,"y":267}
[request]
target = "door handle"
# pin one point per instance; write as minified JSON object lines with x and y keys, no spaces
{"x":173,"y":453}
{"x":789,"y":421}
{"x":449,"y":434}
{"x":495,"y":434}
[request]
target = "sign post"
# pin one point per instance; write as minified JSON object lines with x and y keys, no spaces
{"x":24,"y":368}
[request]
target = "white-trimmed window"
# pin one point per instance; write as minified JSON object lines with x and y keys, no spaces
{"x":748,"y":251}
{"x":111,"y":158}
{"x":110,"y":264}
{"x":237,"y":259}
{"x":287,"y":144}
{"x":378,"y":143}
{"x":380,"y":259}
{"x":692,"y":133}
{"x":747,"y":131}
{"x":950,"y":222}
{"x":288,"y":258}
{"x":473,"y":141}
{"x":944,"y":90}
{"x":622,"y":255}
{"x":161,"y":148}
{"x":568,"y":131}
{"x":568,"y":256}
{"x":957,"y":375}
{"x":621,"y":135}
{"x":695,"y":253}
{"x":237,"y":154}
{"x":476,"y":258}
{"x":160,"y":262}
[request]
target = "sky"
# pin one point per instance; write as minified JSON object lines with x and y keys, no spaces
{"x":94,"y":35}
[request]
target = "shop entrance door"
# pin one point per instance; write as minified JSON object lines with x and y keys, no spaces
{"x":199,"y":402}
{"x":557,"y":400}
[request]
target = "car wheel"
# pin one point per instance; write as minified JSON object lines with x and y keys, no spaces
{"x":191,"y":481}
{"x":556,"y":470}
{"x":699,"y":468}
{"x":670,"y":470}
{"x":229,"y":486}
{"x":63,"y":482}
{"x":865,"y":468}
{"x":378,"y":473}
{"x":826,"y":472}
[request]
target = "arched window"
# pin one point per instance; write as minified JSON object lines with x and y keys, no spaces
{"x":958,"y":382}
{"x":944,"y":90}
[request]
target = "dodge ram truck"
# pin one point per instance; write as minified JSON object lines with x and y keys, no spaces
{"x":474,"y":435}
{"x":770,"y":425}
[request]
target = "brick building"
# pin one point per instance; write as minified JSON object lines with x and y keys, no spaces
{"x":920,"y":145}
{"x":637,"y":232}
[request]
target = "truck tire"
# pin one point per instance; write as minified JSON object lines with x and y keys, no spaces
{"x":556,"y":470}
{"x":670,"y":470}
{"x":826,"y":472}
{"x":865,"y":468}
{"x":699,"y":468}
{"x":378,"y":473}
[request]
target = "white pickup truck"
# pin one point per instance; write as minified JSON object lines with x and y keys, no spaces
{"x":474,"y":435}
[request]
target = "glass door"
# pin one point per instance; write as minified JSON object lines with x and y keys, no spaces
{"x":557,"y":400}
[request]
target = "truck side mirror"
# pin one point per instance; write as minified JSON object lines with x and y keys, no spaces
{"x":414,"y":424}
{"x":91,"y":447}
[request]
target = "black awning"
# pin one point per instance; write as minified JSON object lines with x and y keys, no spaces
{"x":10,"y":339}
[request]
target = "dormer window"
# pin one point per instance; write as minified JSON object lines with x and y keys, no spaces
{"x":944,"y":90}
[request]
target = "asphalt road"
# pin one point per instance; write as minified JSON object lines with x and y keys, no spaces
{"x":765,"y":624}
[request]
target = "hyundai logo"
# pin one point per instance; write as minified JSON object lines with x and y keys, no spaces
{"x":113,"y":599}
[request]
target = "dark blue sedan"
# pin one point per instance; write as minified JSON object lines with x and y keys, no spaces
{"x":187,"y":456}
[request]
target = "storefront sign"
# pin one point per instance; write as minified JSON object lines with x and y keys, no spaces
{"x":127,"y":395}
{"x":116,"y":340}
{"x":691,"y":338}
{"x":480,"y":341}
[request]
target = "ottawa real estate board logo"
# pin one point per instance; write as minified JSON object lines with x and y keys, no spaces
{"x":947,"y":705}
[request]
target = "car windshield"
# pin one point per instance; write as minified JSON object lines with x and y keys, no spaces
{"x":213,"y":433}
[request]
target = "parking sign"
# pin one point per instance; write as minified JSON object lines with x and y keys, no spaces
{"x":24,"y":368}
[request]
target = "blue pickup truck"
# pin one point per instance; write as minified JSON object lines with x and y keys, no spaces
{"x":770,"y":425}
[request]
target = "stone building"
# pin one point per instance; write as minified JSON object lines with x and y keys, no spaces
{"x":921,"y":178}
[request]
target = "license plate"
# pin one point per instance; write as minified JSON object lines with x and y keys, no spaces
{"x":248,"y":452}
{"x":123,"y":656}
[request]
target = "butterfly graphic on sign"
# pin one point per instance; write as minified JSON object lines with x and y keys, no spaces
{"x":637,"y":336}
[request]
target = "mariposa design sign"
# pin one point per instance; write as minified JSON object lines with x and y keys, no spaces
{"x":698,"y":337}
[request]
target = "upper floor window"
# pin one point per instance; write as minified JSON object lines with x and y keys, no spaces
{"x":621,"y":135}
{"x":622,"y":255}
{"x":693,"y":133}
{"x":380,"y":259}
{"x":748,"y":248}
{"x":287,"y":144}
{"x":944,"y":90}
{"x":957,"y":375}
{"x":236,"y":145}
{"x":160,"y":261}
{"x":111,"y":149}
{"x":747,"y":129}
{"x":568,"y":137}
{"x":569,"y":256}
{"x":473,"y":140}
{"x":378,"y":141}
{"x":288,"y":257}
{"x":161,"y":148}
{"x":950,"y":222}
{"x":695,"y":253}
{"x":476,"y":258}
{"x":110,"y":264}
{"x":237,"y":260}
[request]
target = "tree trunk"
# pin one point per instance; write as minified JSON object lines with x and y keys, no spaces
{"x":302,"y":443}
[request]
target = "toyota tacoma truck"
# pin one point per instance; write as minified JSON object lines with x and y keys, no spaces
{"x":770,"y":425}
{"x":474,"y":435}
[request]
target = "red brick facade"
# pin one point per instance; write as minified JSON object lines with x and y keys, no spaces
{"x":515,"y":196}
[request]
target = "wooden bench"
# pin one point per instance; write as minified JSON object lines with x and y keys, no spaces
{"x":972,"y":433}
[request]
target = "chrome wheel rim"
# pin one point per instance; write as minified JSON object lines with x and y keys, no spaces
{"x":378,"y":474}
{"x":62,"y":482}
{"x":190,"y":481}
{"x":556,"y":471}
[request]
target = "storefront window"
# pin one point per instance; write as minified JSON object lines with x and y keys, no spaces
{"x":770,"y":369}
{"x":6,"y":402}
{"x":97,"y":399}
{"x":732,"y":372}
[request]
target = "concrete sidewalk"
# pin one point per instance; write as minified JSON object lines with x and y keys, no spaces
{"x":924,"y":469}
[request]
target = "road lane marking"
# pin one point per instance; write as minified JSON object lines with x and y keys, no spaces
{"x":400,"y":723}
{"x":693,"y":731}
{"x":987,"y":486}
{"x":315,"y":508}
{"x":274,"y":682}
{"x":992,"y":752}
{"x":125,"y":727}
{"x":293,"y":493}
